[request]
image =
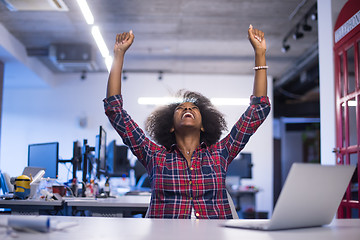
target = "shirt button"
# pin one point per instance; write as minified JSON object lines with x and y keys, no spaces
{"x":197,"y":214}
{"x":190,"y":182}
{"x":191,"y":198}
{"x":191,"y":168}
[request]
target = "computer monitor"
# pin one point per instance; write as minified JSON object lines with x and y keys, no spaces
{"x":76,"y":158}
{"x":241,"y":166}
{"x":77,"y":155}
{"x":100,"y":152}
{"x":44,"y":155}
{"x":117,"y":159}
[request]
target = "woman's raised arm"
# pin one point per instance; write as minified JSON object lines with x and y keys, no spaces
{"x":122,"y":43}
{"x":257,"y":40}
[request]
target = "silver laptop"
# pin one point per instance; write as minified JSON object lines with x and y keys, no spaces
{"x":32,"y":171}
{"x":310,"y":197}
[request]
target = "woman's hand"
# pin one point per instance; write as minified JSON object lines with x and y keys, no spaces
{"x":123,"y":42}
{"x":257,"y":40}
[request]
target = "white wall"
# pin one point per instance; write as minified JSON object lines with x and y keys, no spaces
{"x":327,"y":14}
{"x":326,"y":83}
{"x":47,"y":114}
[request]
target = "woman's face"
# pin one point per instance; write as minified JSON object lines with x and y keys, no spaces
{"x":187,"y":115}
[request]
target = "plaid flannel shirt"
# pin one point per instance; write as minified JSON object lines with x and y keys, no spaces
{"x":176,"y":187}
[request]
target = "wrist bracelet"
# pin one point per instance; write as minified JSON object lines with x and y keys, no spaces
{"x":260,"y":67}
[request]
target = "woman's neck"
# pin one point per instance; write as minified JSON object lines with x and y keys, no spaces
{"x":187,"y":143}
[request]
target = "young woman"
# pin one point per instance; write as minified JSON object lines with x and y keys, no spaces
{"x":187,"y":165}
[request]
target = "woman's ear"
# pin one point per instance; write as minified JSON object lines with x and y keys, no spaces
{"x":202,"y":129}
{"x":172,"y":130}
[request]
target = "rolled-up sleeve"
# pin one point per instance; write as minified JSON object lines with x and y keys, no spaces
{"x":244,"y":128}
{"x":131,"y":134}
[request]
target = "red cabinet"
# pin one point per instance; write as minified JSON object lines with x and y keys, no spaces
{"x":347,"y":95}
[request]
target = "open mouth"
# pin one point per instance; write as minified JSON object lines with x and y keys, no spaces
{"x":188,"y":115}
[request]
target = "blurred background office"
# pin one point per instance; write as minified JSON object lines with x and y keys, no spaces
{"x":54,"y":72}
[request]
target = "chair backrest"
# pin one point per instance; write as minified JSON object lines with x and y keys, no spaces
{"x":143,"y":181}
{"x":5,"y":184}
{"x":232,"y":206}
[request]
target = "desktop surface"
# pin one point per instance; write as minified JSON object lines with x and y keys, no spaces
{"x":139,"y":228}
{"x":29,"y":202}
{"x":122,"y":201}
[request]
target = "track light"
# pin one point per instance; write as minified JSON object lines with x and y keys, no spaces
{"x":83,"y":75}
{"x":306,"y":27}
{"x":302,"y":25}
{"x":160,"y":75}
{"x":124,"y":75}
{"x":285,"y":47}
{"x":313,"y":16}
{"x":297,"y":34}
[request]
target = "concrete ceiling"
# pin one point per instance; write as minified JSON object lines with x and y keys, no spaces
{"x":183,"y":36}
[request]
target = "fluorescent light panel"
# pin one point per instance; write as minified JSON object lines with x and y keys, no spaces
{"x":108,"y":62}
{"x":100,"y":41}
{"x":157,"y":100}
{"x":84,"y":7}
{"x":230,"y":101}
{"x":95,"y":31}
{"x":216,"y":101}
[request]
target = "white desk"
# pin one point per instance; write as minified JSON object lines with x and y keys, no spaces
{"x":30,"y":207}
{"x":110,"y":207}
{"x":158,"y":229}
{"x":100,"y":207}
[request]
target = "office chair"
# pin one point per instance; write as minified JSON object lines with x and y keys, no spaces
{"x":143,"y":182}
{"x":5,"y":184}
{"x":232,"y":207}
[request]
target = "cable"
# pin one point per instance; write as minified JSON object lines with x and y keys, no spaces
{"x":289,"y":94}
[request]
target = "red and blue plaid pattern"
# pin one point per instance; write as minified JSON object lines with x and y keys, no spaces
{"x":177,"y":187}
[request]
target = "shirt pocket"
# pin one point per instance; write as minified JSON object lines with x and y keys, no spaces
{"x":210,"y":181}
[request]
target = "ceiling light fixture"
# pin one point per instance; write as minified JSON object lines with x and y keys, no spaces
{"x":95,"y":31}
{"x":285,"y":47}
{"x":84,"y":7}
{"x":306,"y":27}
{"x":314,"y":16}
{"x":230,"y":101}
{"x":160,"y":77}
{"x":295,"y":31}
{"x":124,"y":75}
{"x":158,"y":101}
{"x":108,"y":62}
{"x":297,"y":34}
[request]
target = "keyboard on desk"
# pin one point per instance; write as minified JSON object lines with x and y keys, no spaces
{"x":7,"y":196}
{"x":138,"y":193}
